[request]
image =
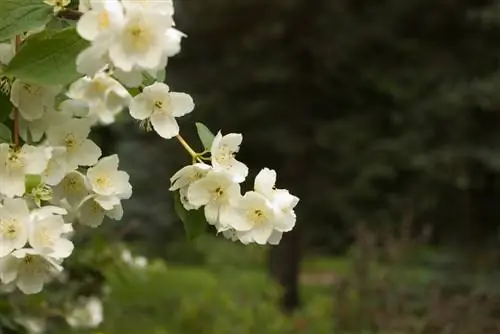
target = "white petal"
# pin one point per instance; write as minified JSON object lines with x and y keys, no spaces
{"x":88,"y":153}
{"x":91,"y":60}
{"x":261,"y":234}
{"x":30,"y":283}
{"x":116,"y":213}
{"x":181,"y":104}
{"x":265,"y":181}
{"x":8,"y":269}
{"x":275,"y":238}
{"x":91,"y":213}
{"x":107,"y":202}
{"x":12,"y":184}
{"x":35,"y":159}
{"x":198,"y":193}
{"x":88,"y":25}
{"x":238,"y":170}
{"x":141,"y":107}
{"x":62,"y":249}
{"x":231,"y":217}
{"x":165,"y":126}
{"x":212,"y":213}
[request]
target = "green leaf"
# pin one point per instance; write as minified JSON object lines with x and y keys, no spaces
{"x":49,"y":59}
{"x":194,"y":220}
{"x":206,"y":136}
{"x":161,"y":76}
{"x":5,"y":134}
{"x":5,"y":107}
{"x":19,"y":16}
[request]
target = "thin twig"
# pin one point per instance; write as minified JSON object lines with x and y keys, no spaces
{"x":15,"y":110}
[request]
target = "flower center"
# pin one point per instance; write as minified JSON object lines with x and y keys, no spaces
{"x":218,"y":192}
{"x":72,"y":185}
{"x":257,"y":216}
{"x":28,"y":259}
{"x":141,"y":38}
{"x":46,"y":238}
{"x":8,"y":228}
{"x":70,"y":142}
{"x":103,"y":20}
{"x":102,"y":181}
{"x":225,"y":155}
{"x":161,"y":106}
{"x":15,"y":161}
{"x":95,"y":207}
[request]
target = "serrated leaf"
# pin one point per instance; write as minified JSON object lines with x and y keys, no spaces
{"x":19,"y":16}
{"x":5,"y":134}
{"x":194,"y":220}
{"x":206,"y":136}
{"x":50,"y":60}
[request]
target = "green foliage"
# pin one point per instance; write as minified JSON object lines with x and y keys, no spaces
{"x":206,"y":136}
{"x":5,"y":104}
{"x":5,"y":134}
{"x":48,"y":58}
{"x":194,"y":221}
{"x":19,"y":16}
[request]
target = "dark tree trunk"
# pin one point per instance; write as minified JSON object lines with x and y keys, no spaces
{"x":284,"y":262}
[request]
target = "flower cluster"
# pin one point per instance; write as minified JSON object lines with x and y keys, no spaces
{"x":260,"y":215}
{"x":53,"y":176}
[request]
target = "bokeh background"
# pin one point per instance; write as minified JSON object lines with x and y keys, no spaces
{"x":382,"y":116}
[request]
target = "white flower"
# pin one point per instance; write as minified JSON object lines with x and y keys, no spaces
{"x":73,"y":188}
{"x":47,"y":231}
{"x":161,"y":107}
{"x":187,"y":175}
{"x":33,"y":131}
{"x":92,"y":214}
{"x":173,"y":41}
{"x":15,"y":164}
{"x":184,"y":177}
{"x":93,"y":59}
{"x":14,"y":225}
{"x":108,"y":183}
{"x":223,"y":150}
{"x":282,"y":201}
{"x":105,"y":18}
{"x":73,"y":108}
{"x":105,"y":96}
{"x":28,"y":269}
{"x":72,"y":134}
{"x":32,"y":100}
{"x":88,"y":313}
{"x":56,"y":168}
{"x":256,"y":217}
{"x":218,"y":193}
{"x":7,"y":52}
{"x":141,"y":42}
